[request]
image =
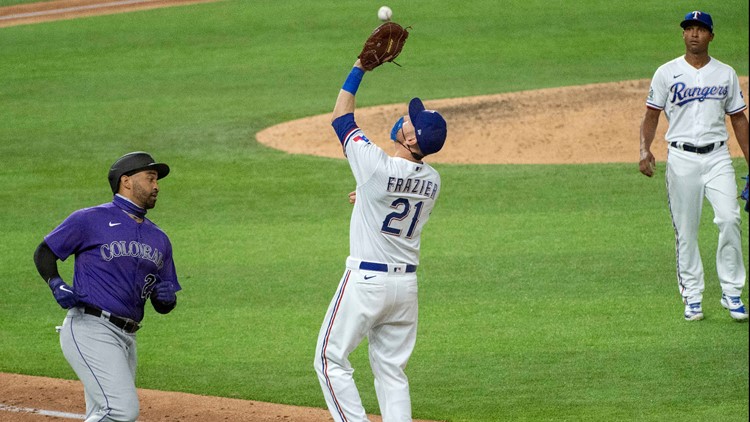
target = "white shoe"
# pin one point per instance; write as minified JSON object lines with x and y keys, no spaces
{"x":693,"y":312}
{"x":735,"y":306}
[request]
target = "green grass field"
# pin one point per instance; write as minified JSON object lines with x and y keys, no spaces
{"x":4,"y":3}
{"x":548,"y":293}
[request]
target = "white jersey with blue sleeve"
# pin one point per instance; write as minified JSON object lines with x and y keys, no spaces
{"x":395,"y":198}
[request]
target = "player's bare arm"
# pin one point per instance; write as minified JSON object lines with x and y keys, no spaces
{"x":345,"y":102}
{"x":648,"y":132}
{"x":740,"y":126}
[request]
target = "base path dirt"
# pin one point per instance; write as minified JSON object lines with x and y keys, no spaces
{"x":30,"y":13}
{"x":28,"y":398}
{"x":24,"y":397}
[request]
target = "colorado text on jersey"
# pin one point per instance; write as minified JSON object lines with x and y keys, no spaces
{"x":133,"y":249}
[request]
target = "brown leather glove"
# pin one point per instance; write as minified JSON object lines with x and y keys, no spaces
{"x":383,"y":45}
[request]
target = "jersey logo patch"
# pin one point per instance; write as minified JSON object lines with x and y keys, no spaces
{"x":361,"y":138}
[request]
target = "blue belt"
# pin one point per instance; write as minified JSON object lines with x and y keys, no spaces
{"x":375,"y":266}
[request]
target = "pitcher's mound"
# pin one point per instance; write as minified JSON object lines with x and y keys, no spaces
{"x":598,"y":123}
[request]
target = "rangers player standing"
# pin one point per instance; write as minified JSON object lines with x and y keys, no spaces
{"x":696,"y":91}
{"x":121,"y":260}
{"x":377,"y":295}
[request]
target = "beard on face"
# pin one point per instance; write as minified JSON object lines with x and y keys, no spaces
{"x":148,"y":199}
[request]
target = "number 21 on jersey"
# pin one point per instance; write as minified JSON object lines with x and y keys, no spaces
{"x":403,"y":209}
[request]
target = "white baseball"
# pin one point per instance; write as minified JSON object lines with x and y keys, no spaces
{"x":385,"y":13}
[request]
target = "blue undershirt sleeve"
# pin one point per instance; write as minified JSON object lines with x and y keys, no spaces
{"x":344,"y":125}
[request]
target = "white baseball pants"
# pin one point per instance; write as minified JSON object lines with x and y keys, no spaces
{"x":690,"y":177}
{"x":382,"y":306}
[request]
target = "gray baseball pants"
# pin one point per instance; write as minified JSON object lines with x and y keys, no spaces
{"x":104,"y":357}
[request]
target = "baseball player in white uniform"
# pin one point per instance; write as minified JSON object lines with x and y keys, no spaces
{"x":377,"y":295}
{"x":696,"y":91}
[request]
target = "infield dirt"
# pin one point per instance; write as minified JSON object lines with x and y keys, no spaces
{"x":597,"y":123}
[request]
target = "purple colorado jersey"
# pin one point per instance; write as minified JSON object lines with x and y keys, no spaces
{"x":117,"y":260}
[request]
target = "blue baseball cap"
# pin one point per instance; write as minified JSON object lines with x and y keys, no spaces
{"x":429,"y":126}
{"x":697,"y":17}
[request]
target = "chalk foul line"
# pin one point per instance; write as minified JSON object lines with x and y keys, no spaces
{"x":8,"y":408}
{"x":72,"y":9}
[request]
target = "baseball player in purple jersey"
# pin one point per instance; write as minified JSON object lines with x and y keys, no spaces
{"x":696,"y":92}
{"x":121,"y":260}
{"x":377,"y":295}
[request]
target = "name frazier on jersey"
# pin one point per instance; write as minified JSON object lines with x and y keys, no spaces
{"x":134,"y":249}
{"x":682,"y":95}
{"x":427,"y":189}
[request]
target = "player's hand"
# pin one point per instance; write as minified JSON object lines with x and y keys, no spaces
{"x":352,"y":197}
{"x":164,"y":292}
{"x":65,"y":295}
{"x":647,"y":164}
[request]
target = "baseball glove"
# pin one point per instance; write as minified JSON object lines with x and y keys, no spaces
{"x":746,"y":193}
{"x":383,"y":45}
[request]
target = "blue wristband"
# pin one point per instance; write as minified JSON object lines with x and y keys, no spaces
{"x":352,"y":81}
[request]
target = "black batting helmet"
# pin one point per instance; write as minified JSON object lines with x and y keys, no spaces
{"x":133,"y":163}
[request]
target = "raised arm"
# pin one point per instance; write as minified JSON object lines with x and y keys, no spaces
{"x":345,"y":102}
{"x":383,"y":45}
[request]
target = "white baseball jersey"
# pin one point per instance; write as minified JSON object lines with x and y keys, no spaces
{"x":394,"y":200}
{"x":695,"y":101}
